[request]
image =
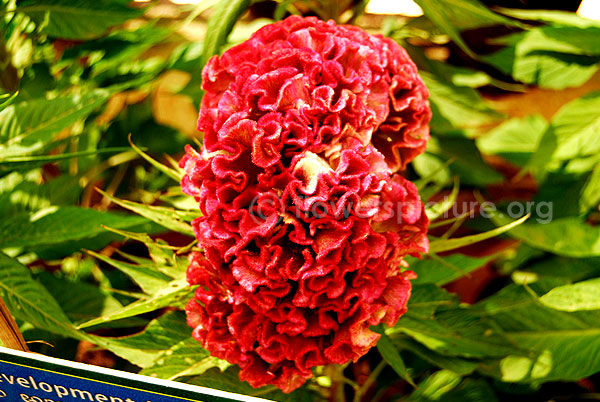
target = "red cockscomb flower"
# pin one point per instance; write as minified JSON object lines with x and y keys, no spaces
{"x":304,"y":222}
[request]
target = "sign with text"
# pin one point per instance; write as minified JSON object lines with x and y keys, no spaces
{"x":29,"y":377}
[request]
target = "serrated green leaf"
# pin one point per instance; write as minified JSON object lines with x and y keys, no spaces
{"x":175,"y":294}
{"x":28,"y":127}
{"x":578,"y":296}
{"x":77,"y":19}
{"x":56,"y":225}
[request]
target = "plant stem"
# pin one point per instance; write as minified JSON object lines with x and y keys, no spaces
{"x":336,"y":373}
{"x":370,"y":380}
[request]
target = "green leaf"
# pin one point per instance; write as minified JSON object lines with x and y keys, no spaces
{"x":445,"y":269}
{"x":29,"y":127}
{"x":570,"y":237}
{"x":456,"y":15}
{"x":167,"y":217}
{"x":467,"y":163}
{"x":78,"y":19}
{"x":574,"y":132}
{"x":162,"y":255}
{"x":563,"y":269}
{"x":457,"y":110}
{"x":220,"y":26}
{"x":438,"y":246}
{"x":551,"y":57}
{"x":590,"y":194}
{"x":437,"y":13}
{"x":80,"y":301}
{"x":457,"y":75}
{"x":30,"y":162}
{"x":176,"y":175}
{"x":29,"y":301}
{"x":435,"y":386}
{"x":56,"y":225}
{"x":175,"y":294}
{"x":437,"y":321}
{"x":558,"y":196}
{"x":425,"y":299}
{"x":457,"y":332}
{"x":229,"y":381}
{"x":555,"y":17}
{"x":186,"y":358}
{"x":561,"y":345}
{"x":431,"y":169}
{"x":122,"y":51}
{"x":559,"y":39}
{"x":159,"y":336}
{"x":20,"y":192}
{"x":147,"y":276}
{"x":578,"y":296}
{"x":471,"y":390}
{"x":390,"y":354}
{"x":515,"y":140}
{"x":545,"y":69}
{"x":456,"y":364}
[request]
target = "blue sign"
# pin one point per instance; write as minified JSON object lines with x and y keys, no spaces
{"x":28,"y":377}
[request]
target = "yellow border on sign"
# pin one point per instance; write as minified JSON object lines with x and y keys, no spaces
{"x":102,"y":382}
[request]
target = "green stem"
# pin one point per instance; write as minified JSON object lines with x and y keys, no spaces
{"x":336,"y":373}
{"x":369,"y":382}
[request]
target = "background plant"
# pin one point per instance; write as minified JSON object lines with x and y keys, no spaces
{"x":94,"y":231}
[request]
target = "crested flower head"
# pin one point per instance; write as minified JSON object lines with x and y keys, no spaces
{"x":305,"y":222}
